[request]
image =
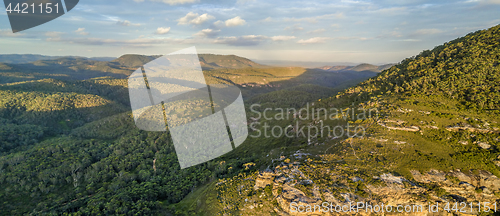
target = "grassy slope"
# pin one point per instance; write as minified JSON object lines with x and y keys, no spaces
{"x":454,"y":84}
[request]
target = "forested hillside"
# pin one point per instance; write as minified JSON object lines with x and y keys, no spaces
{"x":27,"y":58}
{"x":435,"y":138}
{"x":465,"y":69}
{"x":69,"y":145}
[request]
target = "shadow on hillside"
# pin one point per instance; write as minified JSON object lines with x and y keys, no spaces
{"x":27,"y":72}
{"x":60,"y":121}
{"x":75,"y":117}
{"x":335,"y":80}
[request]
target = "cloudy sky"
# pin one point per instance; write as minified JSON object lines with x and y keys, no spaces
{"x":329,"y":31}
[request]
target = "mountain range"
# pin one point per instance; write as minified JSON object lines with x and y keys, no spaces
{"x":69,"y":146}
{"x":357,"y":68}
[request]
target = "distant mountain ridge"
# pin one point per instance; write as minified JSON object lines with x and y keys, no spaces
{"x":28,"y":58}
{"x":207,"y":61}
{"x":24,"y":58}
{"x":357,"y":68}
{"x":305,"y":64}
{"x":81,"y":68}
{"x":212,"y":61}
{"x":19,"y":68}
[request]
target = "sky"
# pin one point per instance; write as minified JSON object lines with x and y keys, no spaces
{"x":383,"y":31}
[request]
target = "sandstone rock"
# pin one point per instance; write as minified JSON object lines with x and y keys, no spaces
{"x":463,"y":177}
{"x":356,"y":179}
{"x":291,"y":194}
{"x":431,"y":176}
{"x":393,"y":193}
{"x":489,"y":180}
{"x":483,"y":145}
{"x":471,"y":129}
{"x":265,"y":178}
{"x":486,"y":190}
{"x":398,"y":126}
{"x":389,"y":178}
{"x":497,"y":163}
{"x":330,"y":198}
{"x":281,"y":179}
{"x":466,"y":186}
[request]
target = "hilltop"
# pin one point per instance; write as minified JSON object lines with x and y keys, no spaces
{"x":133,"y":60}
{"x":34,"y":67}
{"x":212,"y":61}
{"x":24,"y":58}
{"x":28,"y":58}
{"x":207,"y":61}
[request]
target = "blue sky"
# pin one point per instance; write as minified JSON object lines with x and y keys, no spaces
{"x":328,"y":31}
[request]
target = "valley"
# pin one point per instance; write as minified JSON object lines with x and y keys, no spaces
{"x":68,"y":140}
{"x":69,"y":146}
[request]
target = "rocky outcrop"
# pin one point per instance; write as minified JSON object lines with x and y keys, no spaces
{"x":432,"y":176}
{"x":264,"y":179}
{"x":483,"y":145}
{"x":290,"y":185}
{"x":483,"y":179}
{"x":398,"y":126}
{"x":471,"y":129}
{"x":486,"y":179}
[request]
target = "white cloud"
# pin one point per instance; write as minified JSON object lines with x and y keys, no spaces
{"x":294,"y":28}
{"x":207,"y":33}
{"x":219,"y":24}
{"x":391,"y":11}
{"x":8,"y":33}
{"x":484,"y":2}
{"x":282,"y":38}
{"x":268,"y":19}
{"x":139,"y":1}
{"x":247,"y":40}
{"x":138,"y":42}
{"x":53,"y":34}
{"x":426,"y":32}
{"x":194,"y":18}
{"x":390,"y":34}
{"x":162,"y":31}
{"x":107,"y":17}
{"x":351,"y":38}
{"x":409,"y":40}
{"x":176,"y":2}
{"x":81,"y":31}
{"x":315,"y":19}
{"x":314,"y":40}
{"x":317,"y":31}
{"x":126,"y":23}
{"x":237,"y":21}
{"x":491,"y":1}
{"x":354,"y":2}
{"x":245,"y":1}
